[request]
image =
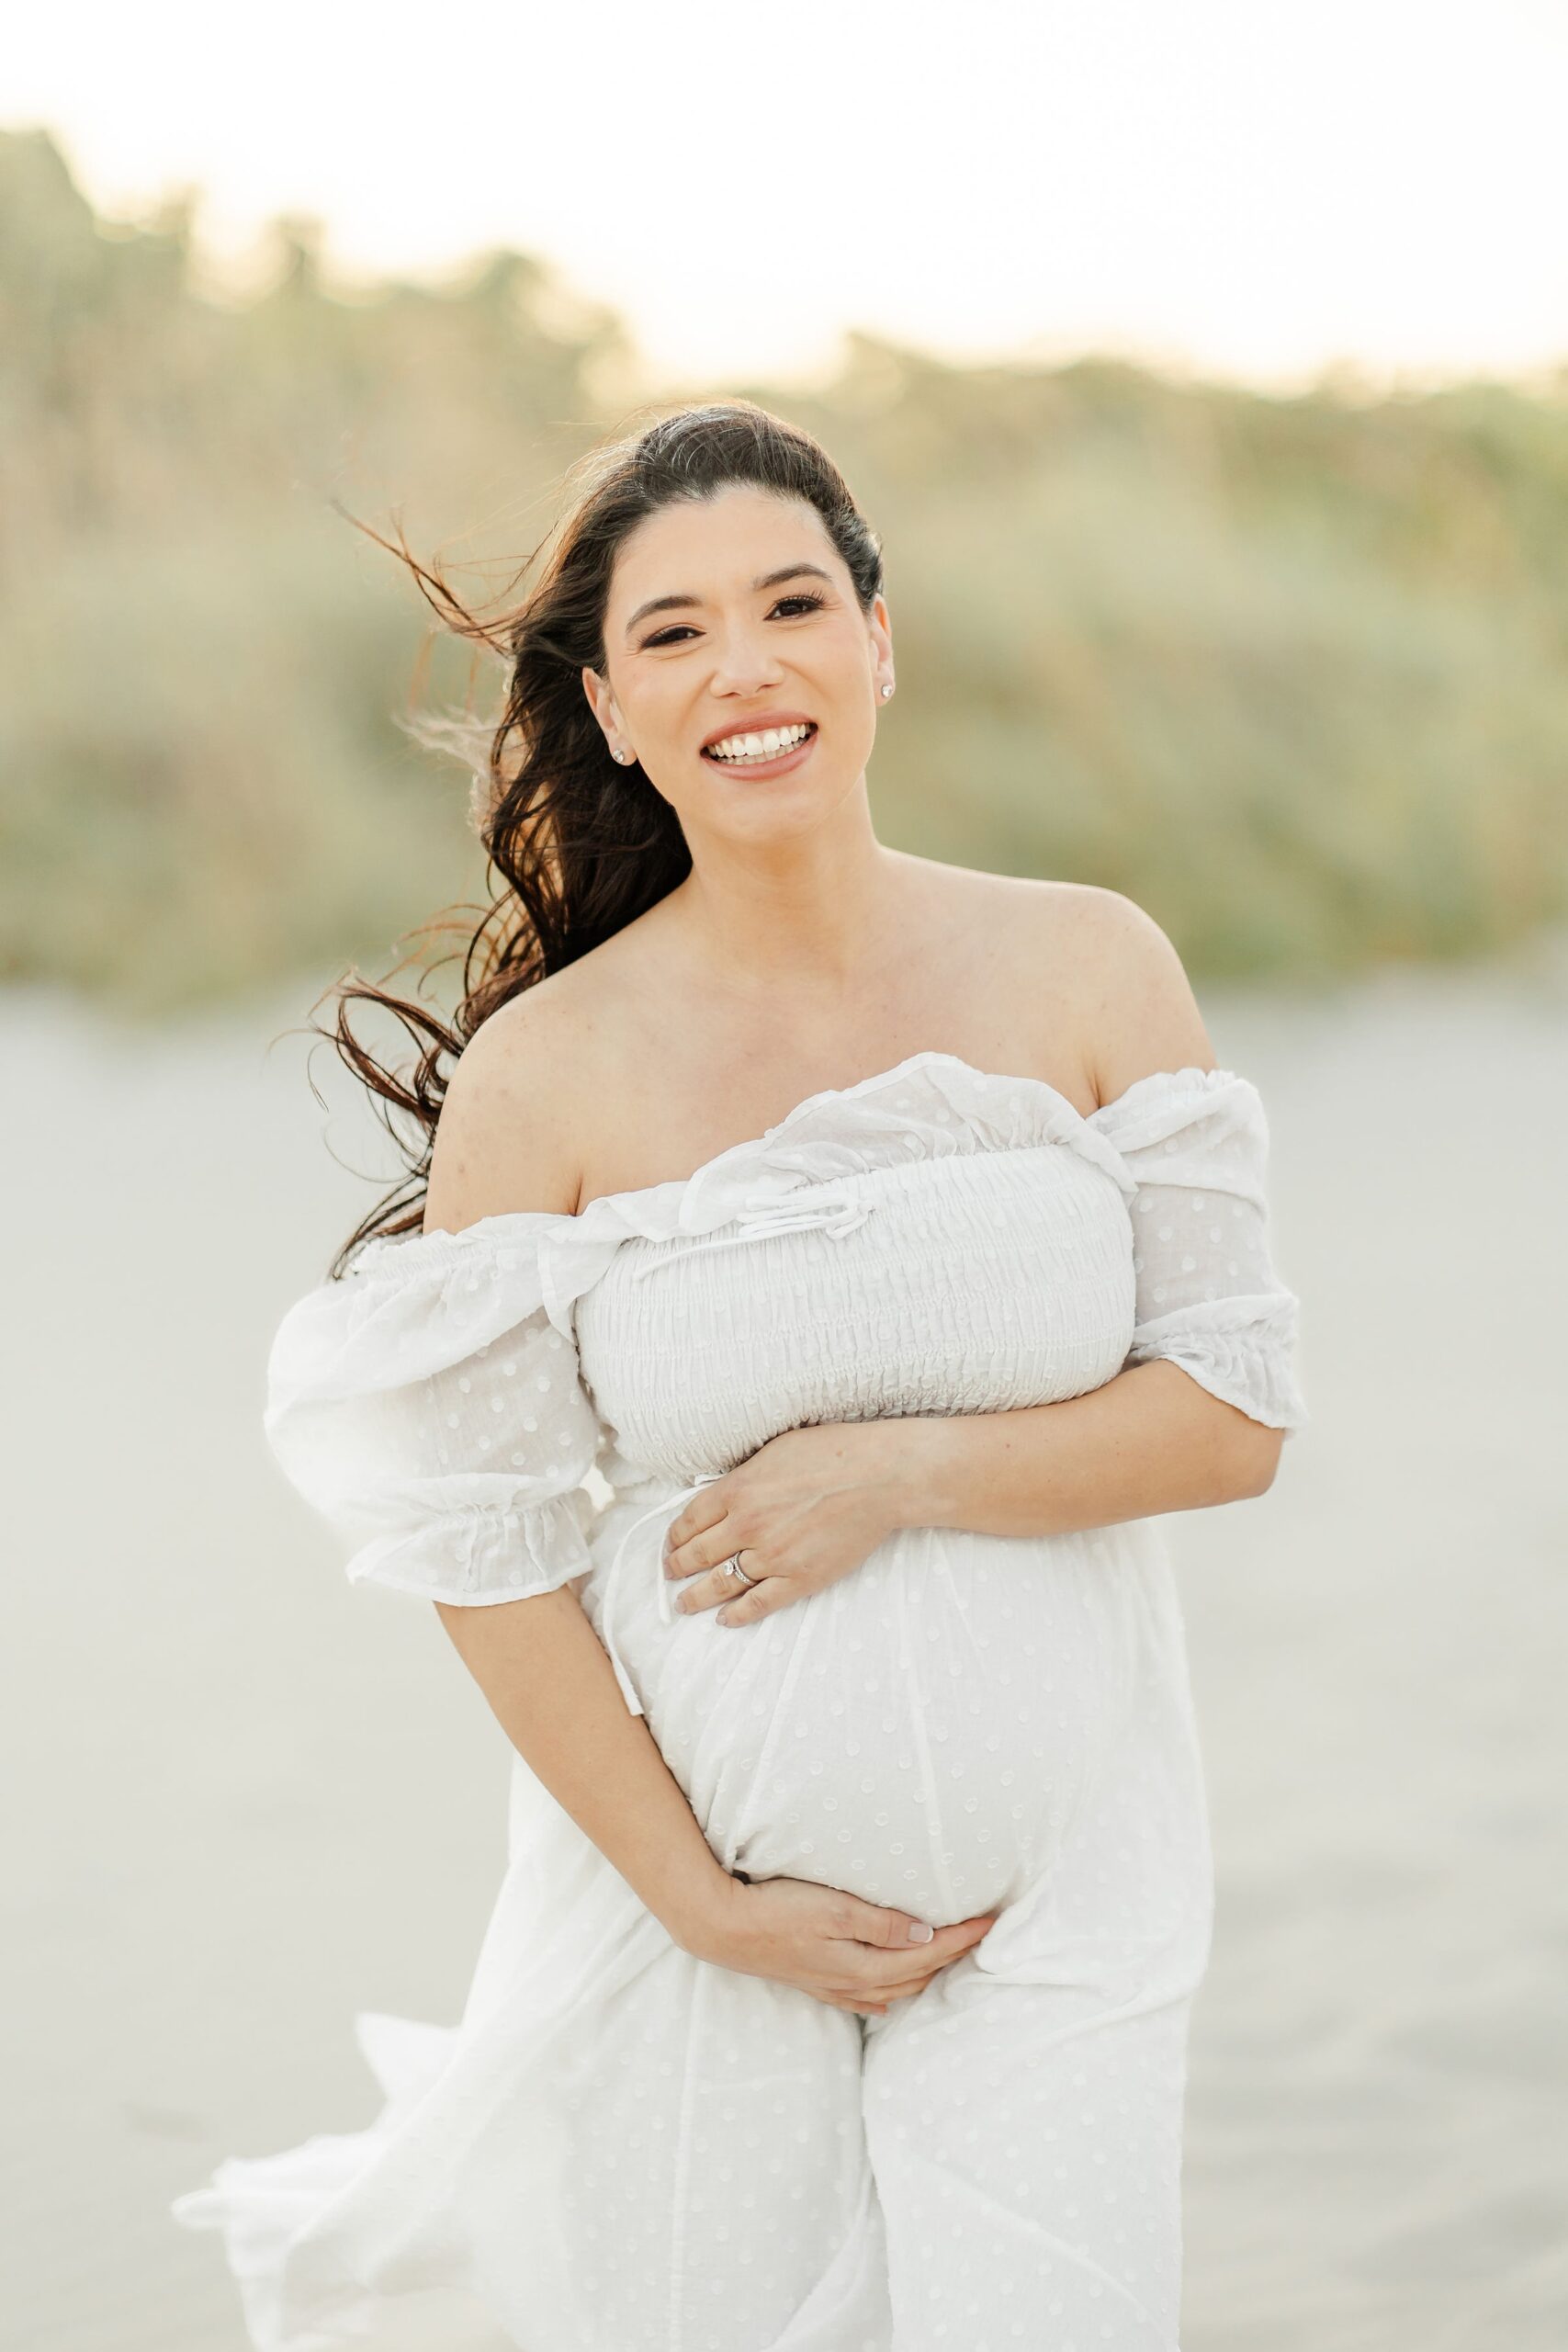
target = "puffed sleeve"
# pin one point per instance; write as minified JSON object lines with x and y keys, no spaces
{"x":426,"y":1408}
{"x":1208,"y":1297}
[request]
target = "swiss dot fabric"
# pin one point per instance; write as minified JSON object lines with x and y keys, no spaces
{"x":621,"y":2147}
{"x":1208,"y":1297}
{"x":432,"y":1413}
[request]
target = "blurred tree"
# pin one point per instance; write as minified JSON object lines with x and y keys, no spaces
{"x":1287,"y":670}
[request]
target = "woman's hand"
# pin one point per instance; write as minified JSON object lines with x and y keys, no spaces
{"x":802,"y":1511}
{"x":850,"y":1954}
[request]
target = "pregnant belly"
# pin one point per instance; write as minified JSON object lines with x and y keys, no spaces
{"x":922,"y":1733}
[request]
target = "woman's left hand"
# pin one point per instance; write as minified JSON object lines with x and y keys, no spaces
{"x":802,"y":1511}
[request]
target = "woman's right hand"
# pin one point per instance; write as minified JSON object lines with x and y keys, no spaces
{"x":851,"y":1954}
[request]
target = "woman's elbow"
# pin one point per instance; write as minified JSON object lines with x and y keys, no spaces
{"x":1257,"y":1456}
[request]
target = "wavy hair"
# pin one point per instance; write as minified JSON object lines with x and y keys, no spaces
{"x":582,"y":845}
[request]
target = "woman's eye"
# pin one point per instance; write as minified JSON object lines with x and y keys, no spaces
{"x":790,"y":607}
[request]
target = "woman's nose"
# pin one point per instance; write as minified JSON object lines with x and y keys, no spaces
{"x":744,"y":665}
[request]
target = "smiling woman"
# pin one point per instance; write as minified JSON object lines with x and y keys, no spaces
{"x":668,"y":676}
{"x":582,"y":814}
{"x":858,"y":1883}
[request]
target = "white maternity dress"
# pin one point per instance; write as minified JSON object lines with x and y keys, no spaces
{"x":622,"y":2148}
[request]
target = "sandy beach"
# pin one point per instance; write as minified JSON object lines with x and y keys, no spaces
{"x":247,"y":1802}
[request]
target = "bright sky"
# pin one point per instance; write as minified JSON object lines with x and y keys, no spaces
{"x":1247,"y":186}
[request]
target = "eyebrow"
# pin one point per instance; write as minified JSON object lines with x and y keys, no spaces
{"x":768,"y":580}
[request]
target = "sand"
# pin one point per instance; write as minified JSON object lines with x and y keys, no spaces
{"x":246,"y":1801}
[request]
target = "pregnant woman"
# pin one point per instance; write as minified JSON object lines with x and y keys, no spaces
{"x":884,"y":1237}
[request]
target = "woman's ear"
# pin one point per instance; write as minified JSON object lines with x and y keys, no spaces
{"x":603,"y":704}
{"x":880,"y":624}
{"x":598,"y":694}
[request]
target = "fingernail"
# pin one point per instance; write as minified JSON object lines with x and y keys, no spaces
{"x":920,"y":1934}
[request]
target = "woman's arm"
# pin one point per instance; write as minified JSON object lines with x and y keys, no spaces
{"x":550,"y":1683}
{"x":811,"y":1504}
{"x":542,"y":1669}
{"x":551,"y":1687}
{"x":1153,"y":1439}
{"x":1149,"y":1441}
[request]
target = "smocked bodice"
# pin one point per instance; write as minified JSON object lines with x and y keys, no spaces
{"x":965,"y":1283}
{"x":934,"y":1239}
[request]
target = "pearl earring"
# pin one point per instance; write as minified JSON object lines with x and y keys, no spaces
{"x":886,"y":690}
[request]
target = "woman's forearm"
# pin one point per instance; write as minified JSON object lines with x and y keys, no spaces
{"x":1151,"y":1439}
{"x":552,"y":1689}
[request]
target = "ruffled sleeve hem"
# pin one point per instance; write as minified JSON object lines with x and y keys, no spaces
{"x":1249,"y":1364}
{"x":482,"y":1556}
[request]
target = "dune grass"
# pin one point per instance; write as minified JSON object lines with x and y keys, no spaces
{"x":1289,"y":672}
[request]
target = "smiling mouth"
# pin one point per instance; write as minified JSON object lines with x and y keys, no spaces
{"x":743,"y":751}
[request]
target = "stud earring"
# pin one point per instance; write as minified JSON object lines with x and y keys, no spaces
{"x":886,"y":690}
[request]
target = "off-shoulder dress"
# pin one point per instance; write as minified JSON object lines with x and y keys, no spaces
{"x":621,"y":2147}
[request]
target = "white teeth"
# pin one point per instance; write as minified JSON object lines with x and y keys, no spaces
{"x":765,"y":746}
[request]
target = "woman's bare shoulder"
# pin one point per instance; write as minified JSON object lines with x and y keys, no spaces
{"x":1105,"y":971}
{"x":1139,"y":1012}
{"x":509,"y":1135}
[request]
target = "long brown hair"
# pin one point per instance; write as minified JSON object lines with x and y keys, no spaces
{"x":582,"y":846}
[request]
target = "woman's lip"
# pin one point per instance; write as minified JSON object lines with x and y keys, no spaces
{"x":779,"y":766}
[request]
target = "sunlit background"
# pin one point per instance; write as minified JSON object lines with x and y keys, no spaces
{"x":1205,"y":371}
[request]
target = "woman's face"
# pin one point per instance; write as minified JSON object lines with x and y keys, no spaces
{"x":732,"y":616}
